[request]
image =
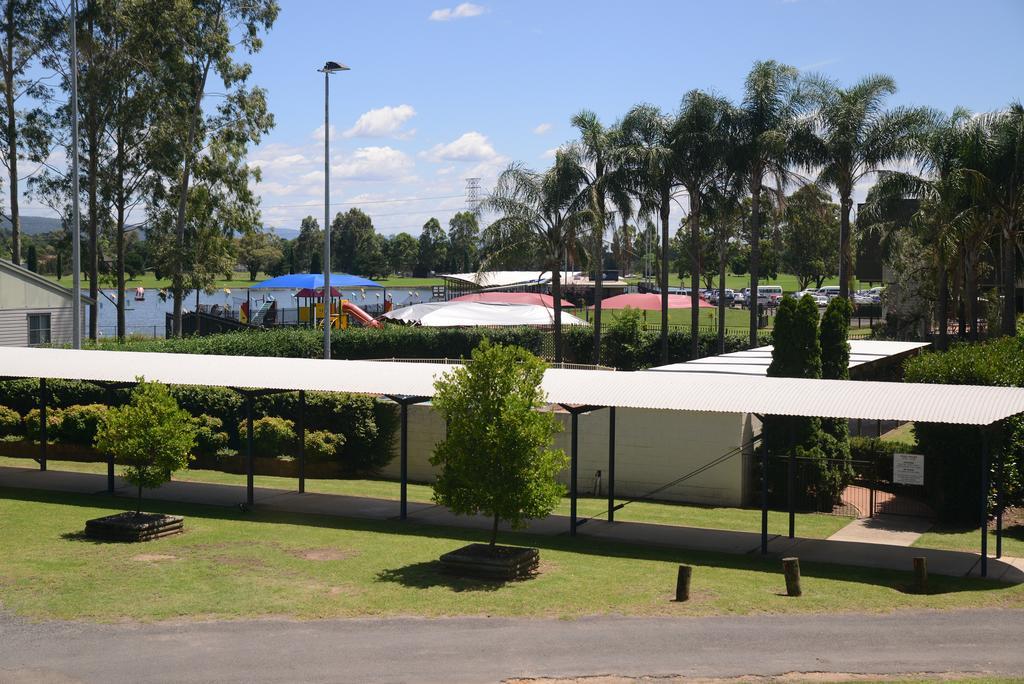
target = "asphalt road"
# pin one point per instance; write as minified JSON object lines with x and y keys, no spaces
{"x":490,"y":650}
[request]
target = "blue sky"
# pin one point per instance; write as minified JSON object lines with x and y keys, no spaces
{"x":440,"y":91}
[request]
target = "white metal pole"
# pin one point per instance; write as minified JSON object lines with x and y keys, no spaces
{"x":76,"y":237}
{"x":327,"y":216}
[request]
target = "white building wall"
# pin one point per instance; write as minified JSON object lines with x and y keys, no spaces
{"x":653,"y":448}
{"x":14,"y":325}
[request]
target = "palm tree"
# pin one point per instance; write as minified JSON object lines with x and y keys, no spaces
{"x":857,"y":137}
{"x":766,"y":126}
{"x":998,"y":184}
{"x":701,"y":135}
{"x":543,"y":211}
{"x":605,"y":181}
{"x":943,"y":202}
{"x":651,"y":162}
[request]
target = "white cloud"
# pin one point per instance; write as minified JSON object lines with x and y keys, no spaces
{"x":470,"y":146}
{"x":280,"y":161}
{"x":381,"y":122}
{"x":373,"y":163}
{"x":541,"y":129}
{"x":549,"y":154}
{"x":462,"y":11}
{"x":318,"y":133}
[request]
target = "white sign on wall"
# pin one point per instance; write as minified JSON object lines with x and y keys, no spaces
{"x":908,"y":469}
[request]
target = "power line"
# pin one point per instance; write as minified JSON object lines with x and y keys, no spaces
{"x":358,"y":204}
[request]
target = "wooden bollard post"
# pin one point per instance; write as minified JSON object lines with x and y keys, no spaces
{"x":791,"y":568}
{"x":683,"y":583}
{"x":921,"y":575}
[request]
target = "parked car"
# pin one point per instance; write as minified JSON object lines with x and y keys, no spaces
{"x":829,"y":291}
{"x":820,"y":299}
{"x":767,"y":295}
{"x":730,"y":296}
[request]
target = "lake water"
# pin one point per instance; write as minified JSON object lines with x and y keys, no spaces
{"x":147,"y":318}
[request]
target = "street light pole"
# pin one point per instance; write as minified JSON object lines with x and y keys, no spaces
{"x":328,"y":69}
{"x":76,"y":235}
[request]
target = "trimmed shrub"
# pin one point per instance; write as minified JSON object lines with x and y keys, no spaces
{"x":216,"y":402}
{"x":53,"y":420}
{"x":80,"y":422}
{"x":879,"y":453}
{"x":271,"y":436}
{"x":10,"y":421}
{"x":323,"y":446}
{"x":210,"y":437}
{"x":953,"y":471}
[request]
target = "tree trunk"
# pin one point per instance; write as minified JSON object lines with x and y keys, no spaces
{"x":695,"y":263}
{"x":598,"y":273}
{"x":138,"y":501}
{"x":494,"y":531}
{"x":721,"y":297}
{"x":1009,"y":281}
{"x":178,"y":276}
{"x":972,"y":296}
{"x":92,"y":136}
{"x":755,"y":252}
{"x":845,"y":259}
{"x":666,"y":207}
{"x":556,"y":295}
{"x":12,"y":156}
{"x":943,"y":312}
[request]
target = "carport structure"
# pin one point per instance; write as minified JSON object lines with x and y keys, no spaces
{"x":578,"y":391}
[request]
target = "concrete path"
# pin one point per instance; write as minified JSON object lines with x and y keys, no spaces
{"x":893,"y":530}
{"x":490,"y":650}
{"x":953,"y":563}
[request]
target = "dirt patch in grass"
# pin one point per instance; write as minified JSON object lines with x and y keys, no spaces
{"x":154,"y":557}
{"x":324,"y":554}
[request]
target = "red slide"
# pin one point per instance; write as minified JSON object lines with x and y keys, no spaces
{"x":360,"y":315}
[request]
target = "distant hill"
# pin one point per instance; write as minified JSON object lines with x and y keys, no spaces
{"x":32,"y":225}
{"x":286,"y":233}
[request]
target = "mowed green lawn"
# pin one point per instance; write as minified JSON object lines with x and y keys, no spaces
{"x":229,"y":564}
{"x":812,"y":525}
{"x":963,"y":539}
{"x":787,"y":281}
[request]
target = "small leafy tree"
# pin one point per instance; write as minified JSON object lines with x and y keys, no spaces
{"x":497,"y":458}
{"x":150,"y":436}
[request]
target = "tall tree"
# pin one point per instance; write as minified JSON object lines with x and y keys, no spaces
{"x":998,"y":183}
{"x":810,"y":235}
{"x":702,"y":133}
{"x":433,"y":248}
{"x":23,"y":134}
{"x":259,"y":251}
{"x":206,"y":48}
{"x":857,"y":137}
{"x":353,"y":243}
{"x":403,"y":252}
{"x":651,"y":159}
{"x":309,"y":243}
{"x":767,"y":121}
{"x":463,"y":236}
{"x":598,"y":152}
{"x":545,"y":211}
{"x":941,"y":190}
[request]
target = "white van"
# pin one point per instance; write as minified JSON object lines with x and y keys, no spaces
{"x":769,"y":294}
{"x":829,"y":291}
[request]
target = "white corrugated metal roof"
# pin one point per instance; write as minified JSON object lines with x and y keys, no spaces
{"x":955,"y":404}
{"x":756,"y":361}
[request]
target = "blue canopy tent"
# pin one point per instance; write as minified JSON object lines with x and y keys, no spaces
{"x":315,"y":282}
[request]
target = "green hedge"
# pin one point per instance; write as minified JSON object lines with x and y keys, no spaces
{"x":878,"y":455}
{"x":10,"y":422}
{"x":953,"y":468}
{"x":355,"y":343}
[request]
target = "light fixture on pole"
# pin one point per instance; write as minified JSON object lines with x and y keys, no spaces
{"x":76,"y":235}
{"x":328,"y":69}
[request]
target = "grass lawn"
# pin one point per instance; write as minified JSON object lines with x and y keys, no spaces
{"x":903,"y":433}
{"x":963,"y":539}
{"x":230,"y":564}
{"x":747,"y":520}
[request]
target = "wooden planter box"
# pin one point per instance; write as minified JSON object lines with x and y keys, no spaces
{"x":496,"y":563}
{"x":58,"y":451}
{"x":134,"y":527}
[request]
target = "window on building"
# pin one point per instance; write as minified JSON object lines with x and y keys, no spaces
{"x":39,"y":328}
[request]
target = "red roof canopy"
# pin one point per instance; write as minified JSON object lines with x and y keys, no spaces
{"x":512,"y":298}
{"x":650,"y":301}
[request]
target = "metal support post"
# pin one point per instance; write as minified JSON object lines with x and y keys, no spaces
{"x":249,"y":465}
{"x":611,"y":464}
{"x":790,"y":493}
{"x":110,"y":457}
{"x":404,"y":461}
{"x":573,"y":467}
{"x":43,"y":436}
{"x":984,"y":502}
{"x":302,"y":441}
{"x":764,"y":498}
{"x":1000,"y":472}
